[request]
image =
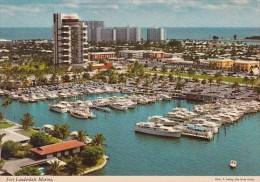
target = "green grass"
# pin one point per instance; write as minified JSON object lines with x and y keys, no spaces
{"x":6,"y":125}
{"x":30,"y":132}
{"x":206,"y":77}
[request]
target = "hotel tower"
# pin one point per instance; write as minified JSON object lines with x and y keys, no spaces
{"x":70,"y":39}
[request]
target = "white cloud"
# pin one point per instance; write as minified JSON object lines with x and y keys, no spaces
{"x":240,"y":2}
{"x":112,"y":6}
{"x":30,"y":8}
{"x":69,"y":5}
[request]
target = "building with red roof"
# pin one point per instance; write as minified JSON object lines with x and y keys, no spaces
{"x":58,"y":149}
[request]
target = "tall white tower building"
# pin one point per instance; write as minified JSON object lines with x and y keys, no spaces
{"x":70,"y":39}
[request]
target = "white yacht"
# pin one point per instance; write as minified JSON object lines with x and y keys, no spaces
{"x":58,"y":108}
{"x":157,"y":129}
{"x":119,"y":106}
{"x":161,"y":120}
{"x":82,"y":114}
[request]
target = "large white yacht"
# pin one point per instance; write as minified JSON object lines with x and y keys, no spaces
{"x":157,"y":129}
{"x":162,"y":120}
{"x":58,"y":108}
{"x":82,"y":114}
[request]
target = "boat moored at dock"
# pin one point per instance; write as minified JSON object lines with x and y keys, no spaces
{"x":157,"y":129}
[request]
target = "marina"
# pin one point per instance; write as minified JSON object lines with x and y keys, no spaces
{"x":232,"y":141}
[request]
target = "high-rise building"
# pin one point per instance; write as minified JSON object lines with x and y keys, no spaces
{"x":128,"y":34}
{"x":94,"y":30}
{"x":70,"y":39}
{"x":108,"y":35}
{"x":156,"y":34}
{"x":95,"y":24}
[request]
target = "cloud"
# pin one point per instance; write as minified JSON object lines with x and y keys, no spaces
{"x":240,"y":2}
{"x":69,"y":5}
{"x":13,"y":8}
{"x":112,"y":6}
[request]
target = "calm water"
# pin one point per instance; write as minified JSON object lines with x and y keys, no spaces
{"x":171,"y":33}
{"x":138,"y":154}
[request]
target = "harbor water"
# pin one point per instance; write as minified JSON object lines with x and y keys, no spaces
{"x":141,"y":155}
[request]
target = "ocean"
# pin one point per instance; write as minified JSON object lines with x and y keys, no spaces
{"x":135,"y":154}
{"x":198,"y":33}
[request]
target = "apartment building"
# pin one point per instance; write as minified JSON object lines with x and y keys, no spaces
{"x":156,"y":34}
{"x":70,"y":39}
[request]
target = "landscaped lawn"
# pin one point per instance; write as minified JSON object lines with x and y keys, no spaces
{"x":5,"y":125}
{"x":206,"y":77}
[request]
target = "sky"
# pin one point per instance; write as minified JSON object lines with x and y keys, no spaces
{"x":142,"y":13}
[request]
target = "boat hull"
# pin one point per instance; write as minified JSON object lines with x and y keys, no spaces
{"x":176,"y":134}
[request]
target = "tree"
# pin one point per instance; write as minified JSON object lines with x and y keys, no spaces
{"x":203,"y":81}
{"x":210,"y":81}
{"x":66,"y":78}
{"x":86,"y":76}
{"x":91,"y":154}
{"x":61,"y":131}
{"x":10,"y":148}
{"x":164,"y":69}
{"x":28,"y":171}
{"x":1,"y":139}
{"x":98,"y":140}
{"x":252,"y":81}
{"x":246,"y":80}
{"x":39,"y":139}
{"x":215,"y":37}
{"x":2,"y":162}
{"x":6,"y":102}
{"x":27,"y":121}
{"x":74,"y":165}
{"x":80,"y":136}
{"x":55,"y":168}
{"x":191,"y":72}
{"x":235,"y":85}
{"x":1,"y":116}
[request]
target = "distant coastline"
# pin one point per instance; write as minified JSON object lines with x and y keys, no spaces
{"x":195,"y":33}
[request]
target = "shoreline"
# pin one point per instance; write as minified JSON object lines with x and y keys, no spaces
{"x":98,"y":167}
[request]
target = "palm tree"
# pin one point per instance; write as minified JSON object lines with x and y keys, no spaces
{"x":252,"y":80}
{"x":246,"y":80}
{"x":1,"y":138}
{"x":210,"y":81}
{"x":98,"y":140}
{"x":6,"y":102}
{"x":2,"y":162}
{"x":74,"y":165}
{"x":55,"y":168}
{"x":27,"y":121}
{"x":1,"y":116}
{"x":219,"y":81}
{"x":235,"y":85}
{"x":81,"y":136}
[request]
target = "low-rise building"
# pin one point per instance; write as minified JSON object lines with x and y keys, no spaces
{"x":141,"y":54}
{"x":222,"y":63}
{"x":57,"y":150}
{"x":106,"y":65}
{"x":95,"y":56}
{"x":246,"y":66}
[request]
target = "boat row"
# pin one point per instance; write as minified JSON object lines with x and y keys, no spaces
{"x":81,"y":112}
{"x":39,"y":93}
{"x":197,"y":124}
{"x":158,"y":125}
